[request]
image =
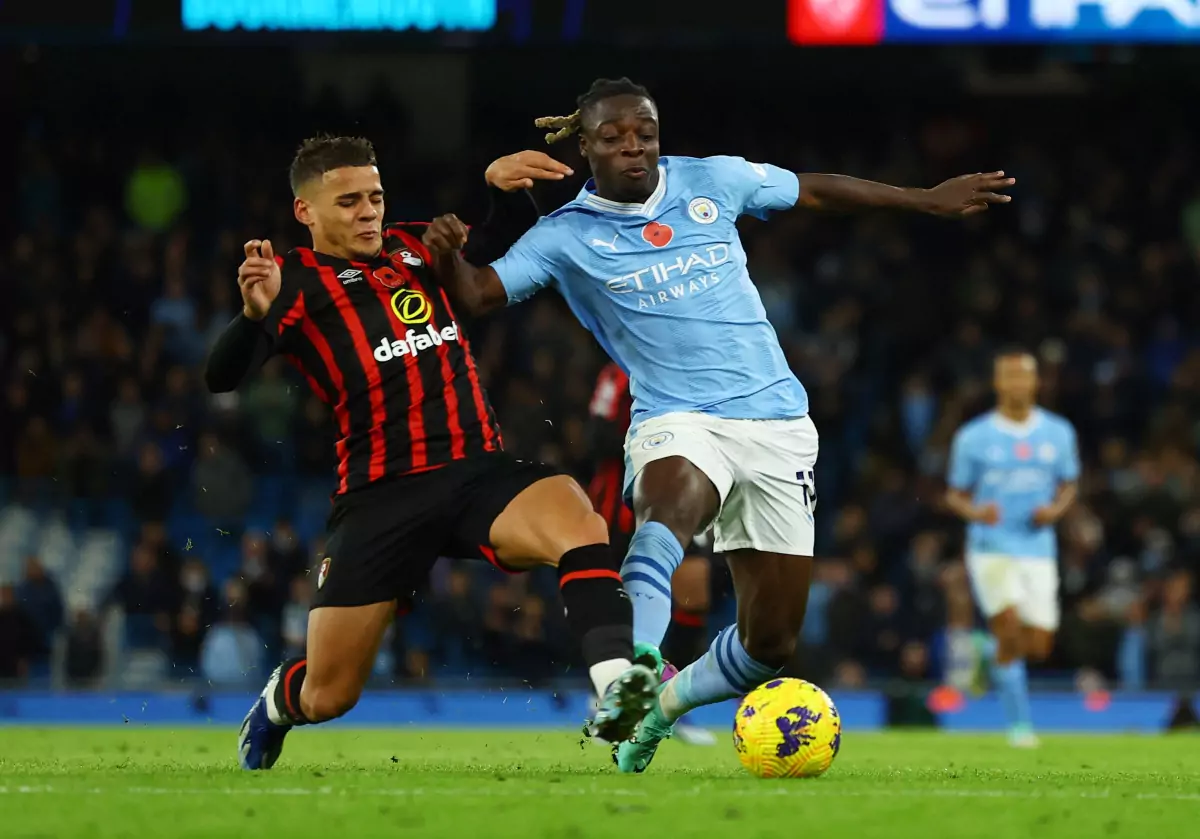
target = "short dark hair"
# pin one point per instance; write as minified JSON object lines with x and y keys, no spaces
{"x":600,"y":90}
{"x":324,"y":153}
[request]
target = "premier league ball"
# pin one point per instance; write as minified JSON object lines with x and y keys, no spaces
{"x":787,"y":728}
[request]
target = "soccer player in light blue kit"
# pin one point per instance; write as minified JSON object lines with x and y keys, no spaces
{"x":648,"y":258}
{"x":1013,"y":474}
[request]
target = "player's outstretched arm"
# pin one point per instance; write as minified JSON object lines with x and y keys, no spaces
{"x":477,"y":290}
{"x":962,"y":196}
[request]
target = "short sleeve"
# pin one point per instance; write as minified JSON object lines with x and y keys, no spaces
{"x":961,"y":473}
{"x":1068,"y":462}
{"x":528,"y":266}
{"x":754,"y":189}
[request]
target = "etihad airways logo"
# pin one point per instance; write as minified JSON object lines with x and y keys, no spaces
{"x":664,"y":281}
{"x":414,"y":343}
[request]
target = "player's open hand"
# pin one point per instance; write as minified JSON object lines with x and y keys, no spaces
{"x":520,"y":170}
{"x":446,"y":234}
{"x":968,"y":195}
{"x":259,"y":279}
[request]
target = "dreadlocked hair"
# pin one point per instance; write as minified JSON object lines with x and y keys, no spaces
{"x":600,"y":90}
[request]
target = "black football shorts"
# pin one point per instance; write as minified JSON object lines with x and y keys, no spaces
{"x":384,"y":539}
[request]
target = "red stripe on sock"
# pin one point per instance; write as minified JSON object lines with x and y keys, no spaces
{"x":685,"y":618}
{"x":490,"y":556}
{"x":590,"y":574}
{"x":287,"y":688}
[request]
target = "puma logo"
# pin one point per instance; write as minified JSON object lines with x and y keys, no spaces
{"x":600,"y":243}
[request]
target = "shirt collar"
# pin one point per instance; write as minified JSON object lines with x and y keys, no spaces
{"x":588,"y":197}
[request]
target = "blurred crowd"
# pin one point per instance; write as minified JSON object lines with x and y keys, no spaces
{"x":120,"y":271}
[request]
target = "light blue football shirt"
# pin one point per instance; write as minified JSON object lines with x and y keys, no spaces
{"x":664,"y":287}
{"x":1019,"y":468}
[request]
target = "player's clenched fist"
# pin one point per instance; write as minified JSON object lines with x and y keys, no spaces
{"x":258,"y":278}
{"x":446,"y":234}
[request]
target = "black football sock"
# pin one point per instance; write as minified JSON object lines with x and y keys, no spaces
{"x":599,"y":612}
{"x":686,"y":637}
{"x":286,"y":701}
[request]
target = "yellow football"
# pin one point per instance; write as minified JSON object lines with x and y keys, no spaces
{"x":787,"y":728}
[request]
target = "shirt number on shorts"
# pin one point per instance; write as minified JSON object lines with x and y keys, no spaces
{"x":808,"y":483}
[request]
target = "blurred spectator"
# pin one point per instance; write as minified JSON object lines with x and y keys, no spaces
{"x":39,"y":595}
{"x":295,"y":617}
{"x":152,"y":493}
{"x":37,"y":453}
{"x":1175,"y":633}
{"x":127,"y":417}
{"x":197,"y":613}
{"x":20,"y":634}
{"x":287,"y":556}
{"x":221,"y":482}
{"x":269,"y":405}
{"x":232,"y":653}
{"x":148,"y":597}
{"x":84,"y":650}
{"x":265,"y":587}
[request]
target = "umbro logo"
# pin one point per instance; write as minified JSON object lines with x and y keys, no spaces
{"x":600,"y":243}
{"x":350,"y":275}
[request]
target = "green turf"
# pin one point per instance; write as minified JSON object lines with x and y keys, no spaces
{"x":346,"y":784}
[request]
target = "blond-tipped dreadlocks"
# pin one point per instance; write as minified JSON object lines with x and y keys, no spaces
{"x":600,"y":90}
{"x":565,"y":126}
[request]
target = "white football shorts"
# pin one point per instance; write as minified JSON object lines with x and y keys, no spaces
{"x":763,"y":470}
{"x":1028,"y":584}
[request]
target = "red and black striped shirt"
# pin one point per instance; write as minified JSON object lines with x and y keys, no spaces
{"x":611,"y":403}
{"x":378,"y":341}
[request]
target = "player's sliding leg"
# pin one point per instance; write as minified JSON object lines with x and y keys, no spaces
{"x":772,"y":595}
{"x":672,"y":501}
{"x":551,"y":522}
{"x":341,"y":649}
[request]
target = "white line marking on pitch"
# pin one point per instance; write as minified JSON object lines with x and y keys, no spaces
{"x":790,"y":790}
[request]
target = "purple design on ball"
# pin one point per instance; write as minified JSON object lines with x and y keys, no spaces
{"x":748,"y":712}
{"x":774,"y":684}
{"x":793,"y":729}
{"x":836,"y":745}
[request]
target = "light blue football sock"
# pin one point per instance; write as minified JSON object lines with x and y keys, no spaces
{"x":653,"y":556}
{"x":1013,"y":686}
{"x":725,"y":671}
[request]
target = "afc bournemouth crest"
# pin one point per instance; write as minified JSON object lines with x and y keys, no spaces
{"x":323,"y":572}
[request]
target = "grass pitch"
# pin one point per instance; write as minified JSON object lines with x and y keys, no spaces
{"x":155,"y":782}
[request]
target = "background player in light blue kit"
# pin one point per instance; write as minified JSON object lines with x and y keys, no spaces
{"x":1013,"y":474}
{"x":648,"y":258}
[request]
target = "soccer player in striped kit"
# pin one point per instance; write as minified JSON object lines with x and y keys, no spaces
{"x":422,"y":472}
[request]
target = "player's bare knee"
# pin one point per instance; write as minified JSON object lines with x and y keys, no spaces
{"x":327,"y":703}
{"x":677,"y":495}
{"x":570,"y":533}
{"x":773,"y":648}
{"x":679,"y":516}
